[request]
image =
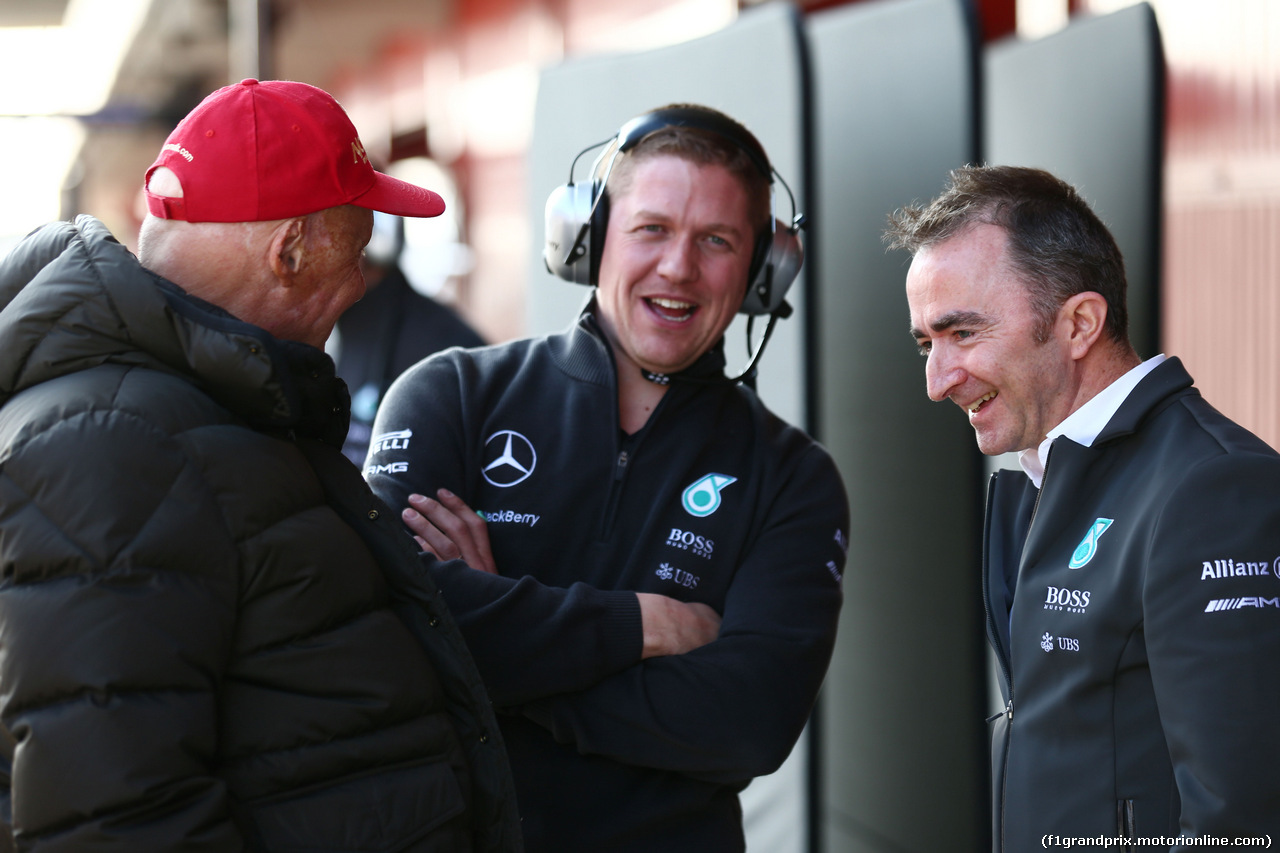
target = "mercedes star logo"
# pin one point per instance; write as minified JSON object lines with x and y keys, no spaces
{"x":515,"y":461}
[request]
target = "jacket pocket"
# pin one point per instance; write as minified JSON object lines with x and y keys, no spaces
{"x":384,"y":811}
{"x":1125,"y":826}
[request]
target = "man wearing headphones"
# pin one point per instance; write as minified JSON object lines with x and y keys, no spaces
{"x":652,"y":559}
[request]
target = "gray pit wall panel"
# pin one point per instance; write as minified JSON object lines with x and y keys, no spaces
{"x":902,"y":749}
{"x":1087,"y":104}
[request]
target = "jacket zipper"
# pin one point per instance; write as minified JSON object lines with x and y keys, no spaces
{"x":1001,"y":654}
{"x":1002,"y":659}
{"x":623,"y":460}
{"x":1008,"y":673}
{"x":620,"y":462}
{"x":1125,"y":827}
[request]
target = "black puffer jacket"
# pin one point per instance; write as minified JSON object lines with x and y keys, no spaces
{"x":212,"y":635}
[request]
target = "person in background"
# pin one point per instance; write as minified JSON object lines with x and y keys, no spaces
{"x":388,"y":331}
{"x":653,"y":560}
{"x":213,"y":635}
{"x":1130,"y":567}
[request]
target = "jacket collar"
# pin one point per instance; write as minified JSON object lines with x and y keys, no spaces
{"x":1164,"y":382}
{"x":581,"y":355}
{"x":72,"y":297}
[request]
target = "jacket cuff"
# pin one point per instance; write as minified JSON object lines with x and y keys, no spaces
{"x":621,"y":631}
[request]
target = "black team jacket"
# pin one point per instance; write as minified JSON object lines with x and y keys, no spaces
{"x":1140,"y":669}
{"x":715,"y":500}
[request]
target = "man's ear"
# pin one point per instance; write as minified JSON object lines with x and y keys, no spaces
{"x":1086,"y":316}
{"x":288,"y":249}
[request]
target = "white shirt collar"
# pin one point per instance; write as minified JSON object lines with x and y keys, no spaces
{"x":1083,"y":425}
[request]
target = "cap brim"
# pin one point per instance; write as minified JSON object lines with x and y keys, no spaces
{"x":392,"y":195}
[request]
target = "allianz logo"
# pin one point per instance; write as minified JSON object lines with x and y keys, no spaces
{"x":1216,"y":569}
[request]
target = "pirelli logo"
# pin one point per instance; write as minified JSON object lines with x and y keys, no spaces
{"x":1219,"y":604}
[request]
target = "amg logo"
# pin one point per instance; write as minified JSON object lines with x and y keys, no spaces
{"x":1219,"y":604}
{"x":1229,"y":569}
{"x":390,"y":468}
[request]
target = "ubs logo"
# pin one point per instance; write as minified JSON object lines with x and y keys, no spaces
{"x":511,"y":458}
{"x":1066,"y":644}
{"x":668,"y":572}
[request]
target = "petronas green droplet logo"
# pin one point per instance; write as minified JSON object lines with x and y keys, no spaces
{"x":703,"y":497}
{"x":1089,"y":544}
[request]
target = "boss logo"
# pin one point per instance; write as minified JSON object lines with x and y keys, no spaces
{"x":692,"y":542}
{"x":1061,"y":598}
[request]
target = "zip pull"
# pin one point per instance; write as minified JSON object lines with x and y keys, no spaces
{"x":621,"y":467}
{"x":1007,"y":712}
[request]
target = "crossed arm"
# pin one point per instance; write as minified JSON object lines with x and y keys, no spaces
{"x":449,"y":529}
{"x":723,"y":711}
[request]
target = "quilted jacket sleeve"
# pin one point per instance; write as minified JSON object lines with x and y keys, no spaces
{"x":117,"y":604}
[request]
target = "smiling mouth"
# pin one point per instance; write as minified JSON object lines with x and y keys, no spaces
{"x":980,"y":402}
{"x":671,"y":309}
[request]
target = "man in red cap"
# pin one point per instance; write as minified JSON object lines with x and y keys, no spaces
{"x":212,"y":634}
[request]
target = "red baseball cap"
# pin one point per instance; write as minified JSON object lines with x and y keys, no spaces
{"x":273,"y":149}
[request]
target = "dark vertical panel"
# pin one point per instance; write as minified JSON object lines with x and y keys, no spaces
{"x":902,"y":739}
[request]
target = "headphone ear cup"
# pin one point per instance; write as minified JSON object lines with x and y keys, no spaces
{"x":567,"y":238}
{"x":783,"y":255}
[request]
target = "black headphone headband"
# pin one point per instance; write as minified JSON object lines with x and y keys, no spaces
{"x":698,"y":118}
{"x":577,"y":214}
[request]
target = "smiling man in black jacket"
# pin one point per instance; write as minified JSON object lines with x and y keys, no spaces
{"x":1130,"y":573}
{"x":667,"y":553}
